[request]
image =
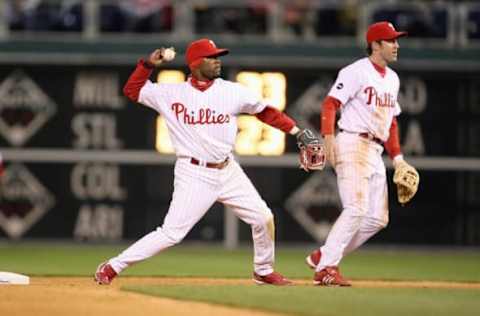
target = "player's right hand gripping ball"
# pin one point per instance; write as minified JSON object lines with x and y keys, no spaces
{"x":312,"y":152}
{"x":407,"y":179}
{"x":168,"y":54}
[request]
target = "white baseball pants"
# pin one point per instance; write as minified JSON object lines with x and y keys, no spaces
{"x":196,"y":189}
{"x":361,"y":178}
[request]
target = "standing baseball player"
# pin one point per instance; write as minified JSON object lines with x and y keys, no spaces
{"x":366,"y":93}
{"x":201,"y":116}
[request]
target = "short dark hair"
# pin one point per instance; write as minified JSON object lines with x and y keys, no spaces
{"x":369,"y":49}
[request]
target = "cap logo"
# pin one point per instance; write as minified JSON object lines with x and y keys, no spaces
{"x":213,"y":44}
{"x":391,"y":26}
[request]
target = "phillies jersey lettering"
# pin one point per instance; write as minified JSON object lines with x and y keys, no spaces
{"x":205,"y":115}
{"x":386,"y":99}
{"x":369,"y":101}
{"x":201,"y":124}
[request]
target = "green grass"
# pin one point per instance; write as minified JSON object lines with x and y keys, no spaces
{"x":309,"y":300}
{"x":211,"y":261}
{"x":37,"y":259}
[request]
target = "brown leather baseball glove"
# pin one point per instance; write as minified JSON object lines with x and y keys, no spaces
{"x":407,"y":179}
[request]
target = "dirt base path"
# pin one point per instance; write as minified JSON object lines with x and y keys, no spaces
{"x":81,"y":296}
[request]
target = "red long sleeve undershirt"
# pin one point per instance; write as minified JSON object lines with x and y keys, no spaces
{"x":277,"y":119}
{"x":137,"y":80}
{"x":392,"y":145}
{"x":329,"y":108}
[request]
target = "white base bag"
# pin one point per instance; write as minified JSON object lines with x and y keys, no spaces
{"x":13,"y":278}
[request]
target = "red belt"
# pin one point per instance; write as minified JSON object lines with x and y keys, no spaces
{"x":367,"y":136}
{"x":371,"y":137}
{"x":213,"y":165}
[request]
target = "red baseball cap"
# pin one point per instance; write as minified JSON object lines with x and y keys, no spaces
{"x":382,"y":31}
{"x":201,"y":48}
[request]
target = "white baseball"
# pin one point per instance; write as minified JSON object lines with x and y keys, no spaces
{"x":168,"y":54}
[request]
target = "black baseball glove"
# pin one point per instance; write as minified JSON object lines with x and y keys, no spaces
{"x":312,"y":153}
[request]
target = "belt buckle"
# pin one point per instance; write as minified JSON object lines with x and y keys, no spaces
{"x":198,"y":162}
{"x":213,"y":165}
{"x":202,"y":163}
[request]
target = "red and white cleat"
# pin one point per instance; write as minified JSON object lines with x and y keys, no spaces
{"x":104,"y":274}
{"x":330,"y":276}
{"x":273,"y":278}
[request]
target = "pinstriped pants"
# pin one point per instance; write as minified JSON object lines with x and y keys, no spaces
{"x":361,"y":178}
{"x":196,"y":189}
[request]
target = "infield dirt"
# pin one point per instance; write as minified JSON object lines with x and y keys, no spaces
{"x":76,"y":296}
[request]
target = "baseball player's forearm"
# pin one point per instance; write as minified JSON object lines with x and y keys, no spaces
{"x":329,"y":109}
{"x":392,"y":145}
{"x":137,"y":80}
{"x":277,"y":119}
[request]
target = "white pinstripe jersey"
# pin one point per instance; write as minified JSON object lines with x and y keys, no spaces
{"x":202,"y":125}
{"x":369,"y":101}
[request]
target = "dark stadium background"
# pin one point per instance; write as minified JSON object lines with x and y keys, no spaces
{"x":55,"y":42}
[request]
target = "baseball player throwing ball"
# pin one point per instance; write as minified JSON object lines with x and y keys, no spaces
{"x":366,"y":92}
{"x":201,"y":116}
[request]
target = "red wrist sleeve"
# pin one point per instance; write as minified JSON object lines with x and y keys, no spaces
{"x":277,"y":119}
{"x":329,"y":109}
{"x":392,"y":145}
{"x":137,"y":80}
